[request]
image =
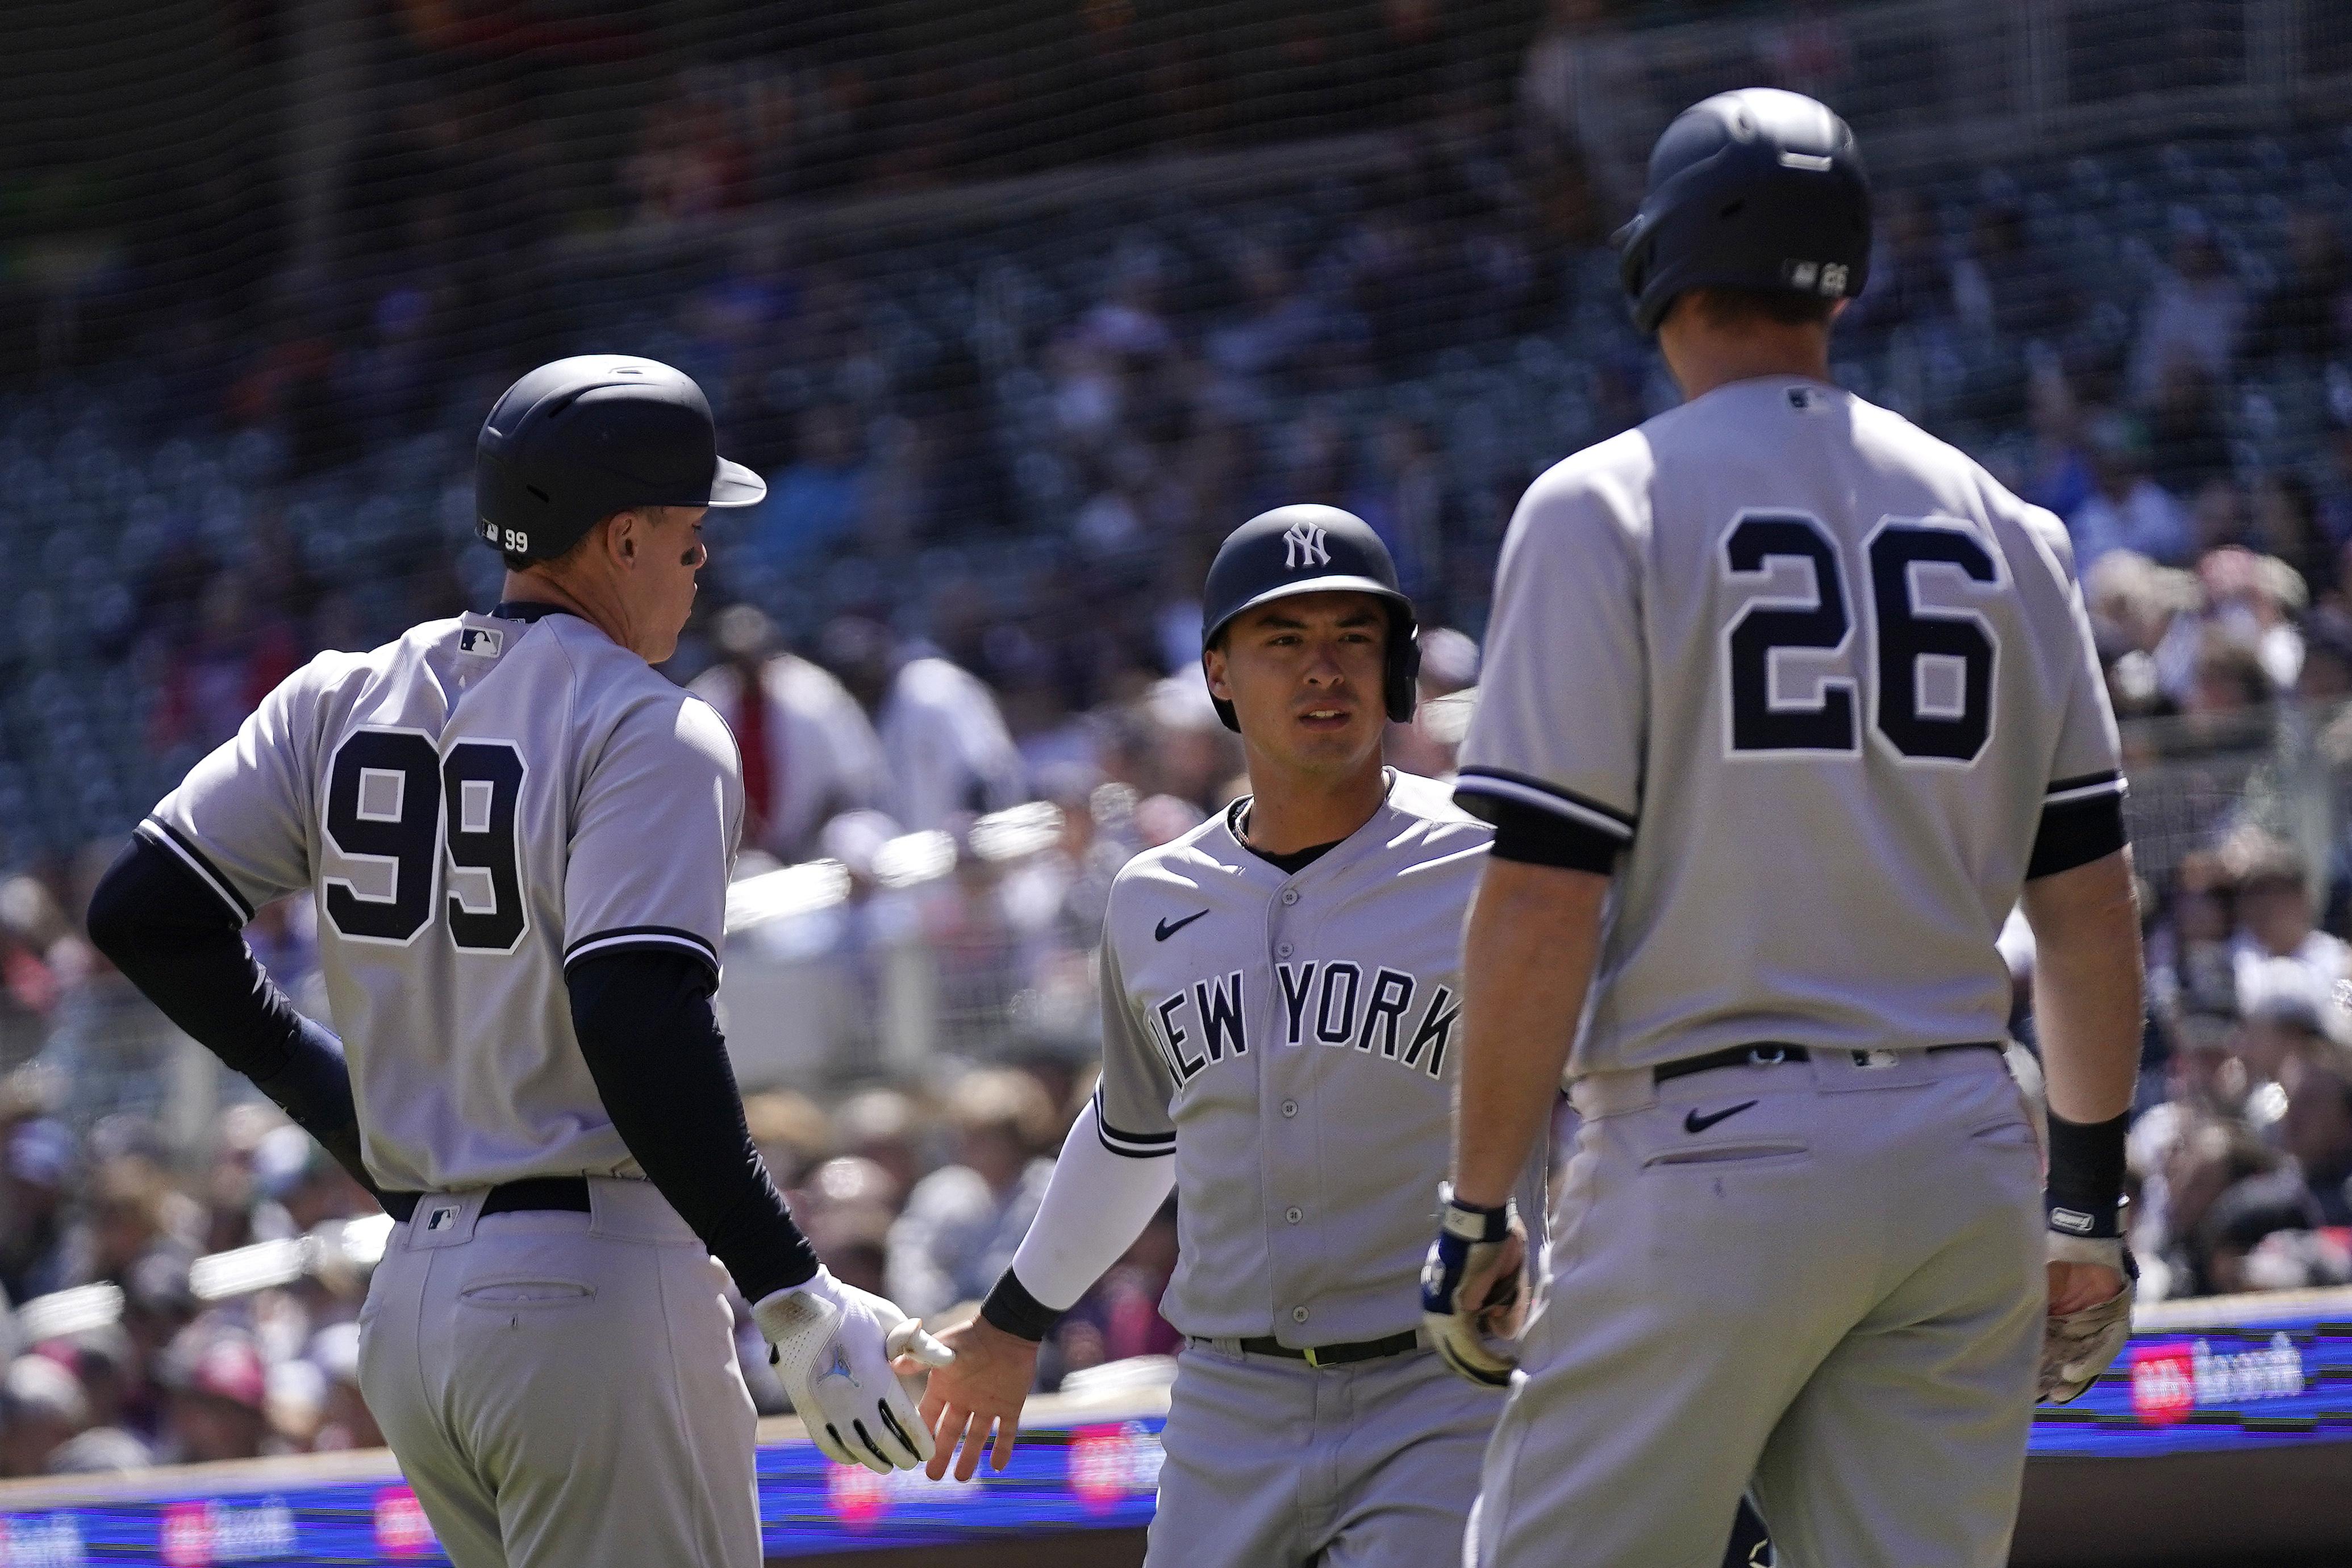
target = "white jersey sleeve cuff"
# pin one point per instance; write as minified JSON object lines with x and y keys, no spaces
{"x":1132,"y":1145}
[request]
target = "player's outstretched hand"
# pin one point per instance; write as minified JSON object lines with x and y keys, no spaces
{"x":1473,"y":1295}
{"x":982,"y":1390}
{"x":2091,"y":1284}
{"x":833,"y":1346}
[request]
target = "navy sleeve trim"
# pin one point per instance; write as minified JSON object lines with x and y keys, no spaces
{"x":627,"y":939}
{"x":1133,"y":1145}
{"x":163,"y":834}
{"x":1474,"y":784}
{"x":1535,"y":837}
{"x":2078,"y":831}
{"x":1010,"y":1306}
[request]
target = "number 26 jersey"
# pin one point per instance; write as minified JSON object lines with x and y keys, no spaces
{"x":1826,"y":691}
{"x":474,"y":807}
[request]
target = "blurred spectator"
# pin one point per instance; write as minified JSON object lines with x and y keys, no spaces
{"x":2243,"y":1218}
{"x":2277,"y":948}
{"x":2126,"y":508}
{"x":1584,"y":100}
{"x":216,"y":1387}
{"x":1119,"y":1316}
{"x":2192,"y":317}
{"x":2303,"y":314}
{"x":880,"y":1125}
{"x":1910,"y":278}
{"x":1449,"y":665}
{"x":944,"y":745}
{"x":819,"y":501}
{"x":40,"y":1160}
{"x":791,"y":1130}
{"x":808,"y":753}
{"x":2317,"y":1129}
{"x":2007,"y":287}
{"x":236,"y":655}
{"x":963,"y":1221}
{"x":41,"y":1409}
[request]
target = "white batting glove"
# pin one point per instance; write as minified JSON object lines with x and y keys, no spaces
{"x":832,"y":1345}
{"x":1471,"y":1292}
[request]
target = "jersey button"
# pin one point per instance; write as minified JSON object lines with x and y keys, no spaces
{"x":1290,"y":1107}
{"x":1294,"y":1216}
{"x":1289,"y":895}
{"x":1298,"y":1314}
{"x":1282,"y":952}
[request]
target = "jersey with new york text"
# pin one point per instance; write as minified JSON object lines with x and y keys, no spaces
{"x":1825,"y":692}
{"x":1291,"y":1040}
{"x":473,"y":808}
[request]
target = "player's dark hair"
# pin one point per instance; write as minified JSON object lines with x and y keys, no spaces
{"x":1741,"y":307}
{"x":572,"y":552}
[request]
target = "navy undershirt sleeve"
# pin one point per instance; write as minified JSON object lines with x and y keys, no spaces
{"x":173,"y":937}
{"x":653,"y":1044}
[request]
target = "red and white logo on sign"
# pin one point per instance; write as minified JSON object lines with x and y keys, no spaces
{"x":856,"y":1494}
{"x":1109,"y":1464}
{"x":2163,"y":1384}
{"x":188,"y":1535}
{"x":401,"y":1528}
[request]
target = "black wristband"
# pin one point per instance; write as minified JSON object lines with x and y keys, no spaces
{"x":1010,"y":1306}
{"x":2086,"y":1176}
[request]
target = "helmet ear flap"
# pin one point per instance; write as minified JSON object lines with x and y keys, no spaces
{"x":1403,"y":682}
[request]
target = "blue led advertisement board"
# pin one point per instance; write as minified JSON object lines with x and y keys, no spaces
{"x":2246,"y":1385}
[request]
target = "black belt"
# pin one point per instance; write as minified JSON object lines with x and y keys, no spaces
{"x":1335,"y":1355}
{"x":1769,"y":1052}
{"x":559,"y":1192}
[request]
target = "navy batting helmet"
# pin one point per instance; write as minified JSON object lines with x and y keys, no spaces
{"x":1756,"y":189}
{"x":1311,"y":549}
{"x":577,"y":440}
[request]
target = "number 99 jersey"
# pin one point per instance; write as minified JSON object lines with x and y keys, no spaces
{"x":474,"y":807}
{"x":1825,"y":694}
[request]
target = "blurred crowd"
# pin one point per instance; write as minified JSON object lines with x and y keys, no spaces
{"x":958,"y":645}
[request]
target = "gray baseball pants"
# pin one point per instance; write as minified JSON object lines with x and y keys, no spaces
{"x":1274,"y":1464}
{"x":561,"y":1388}
{"x":1835,"y":1288}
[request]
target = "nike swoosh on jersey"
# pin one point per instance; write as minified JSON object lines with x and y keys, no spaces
{"x":1167,"y":929}
{"x":1693,"y":1123}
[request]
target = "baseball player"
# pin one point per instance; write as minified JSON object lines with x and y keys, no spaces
{"x":518,"y":836}
{"x":1784,"y":704}
{"x":1280,"y":1022}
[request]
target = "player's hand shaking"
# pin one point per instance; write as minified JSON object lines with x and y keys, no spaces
{"x":983,"y":1389}
{"x":833,"y":1347}
{"x":1473,"y":1298}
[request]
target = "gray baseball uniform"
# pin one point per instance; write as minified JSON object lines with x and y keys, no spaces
{"x":1832,"y":693}
{"x":475,"y":807}
{"x":1288,"y":1039}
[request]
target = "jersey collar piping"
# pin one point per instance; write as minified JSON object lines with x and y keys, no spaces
{"x":528,"y":610}
{"x":1237,"y":813}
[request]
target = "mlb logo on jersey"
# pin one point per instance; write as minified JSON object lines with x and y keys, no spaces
{"x":480,"y":640}
{"x":1302,"y":545}
{"x":441,"y":1219}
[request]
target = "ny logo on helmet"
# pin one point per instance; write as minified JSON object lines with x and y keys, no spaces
{"x":1302,"y":545}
